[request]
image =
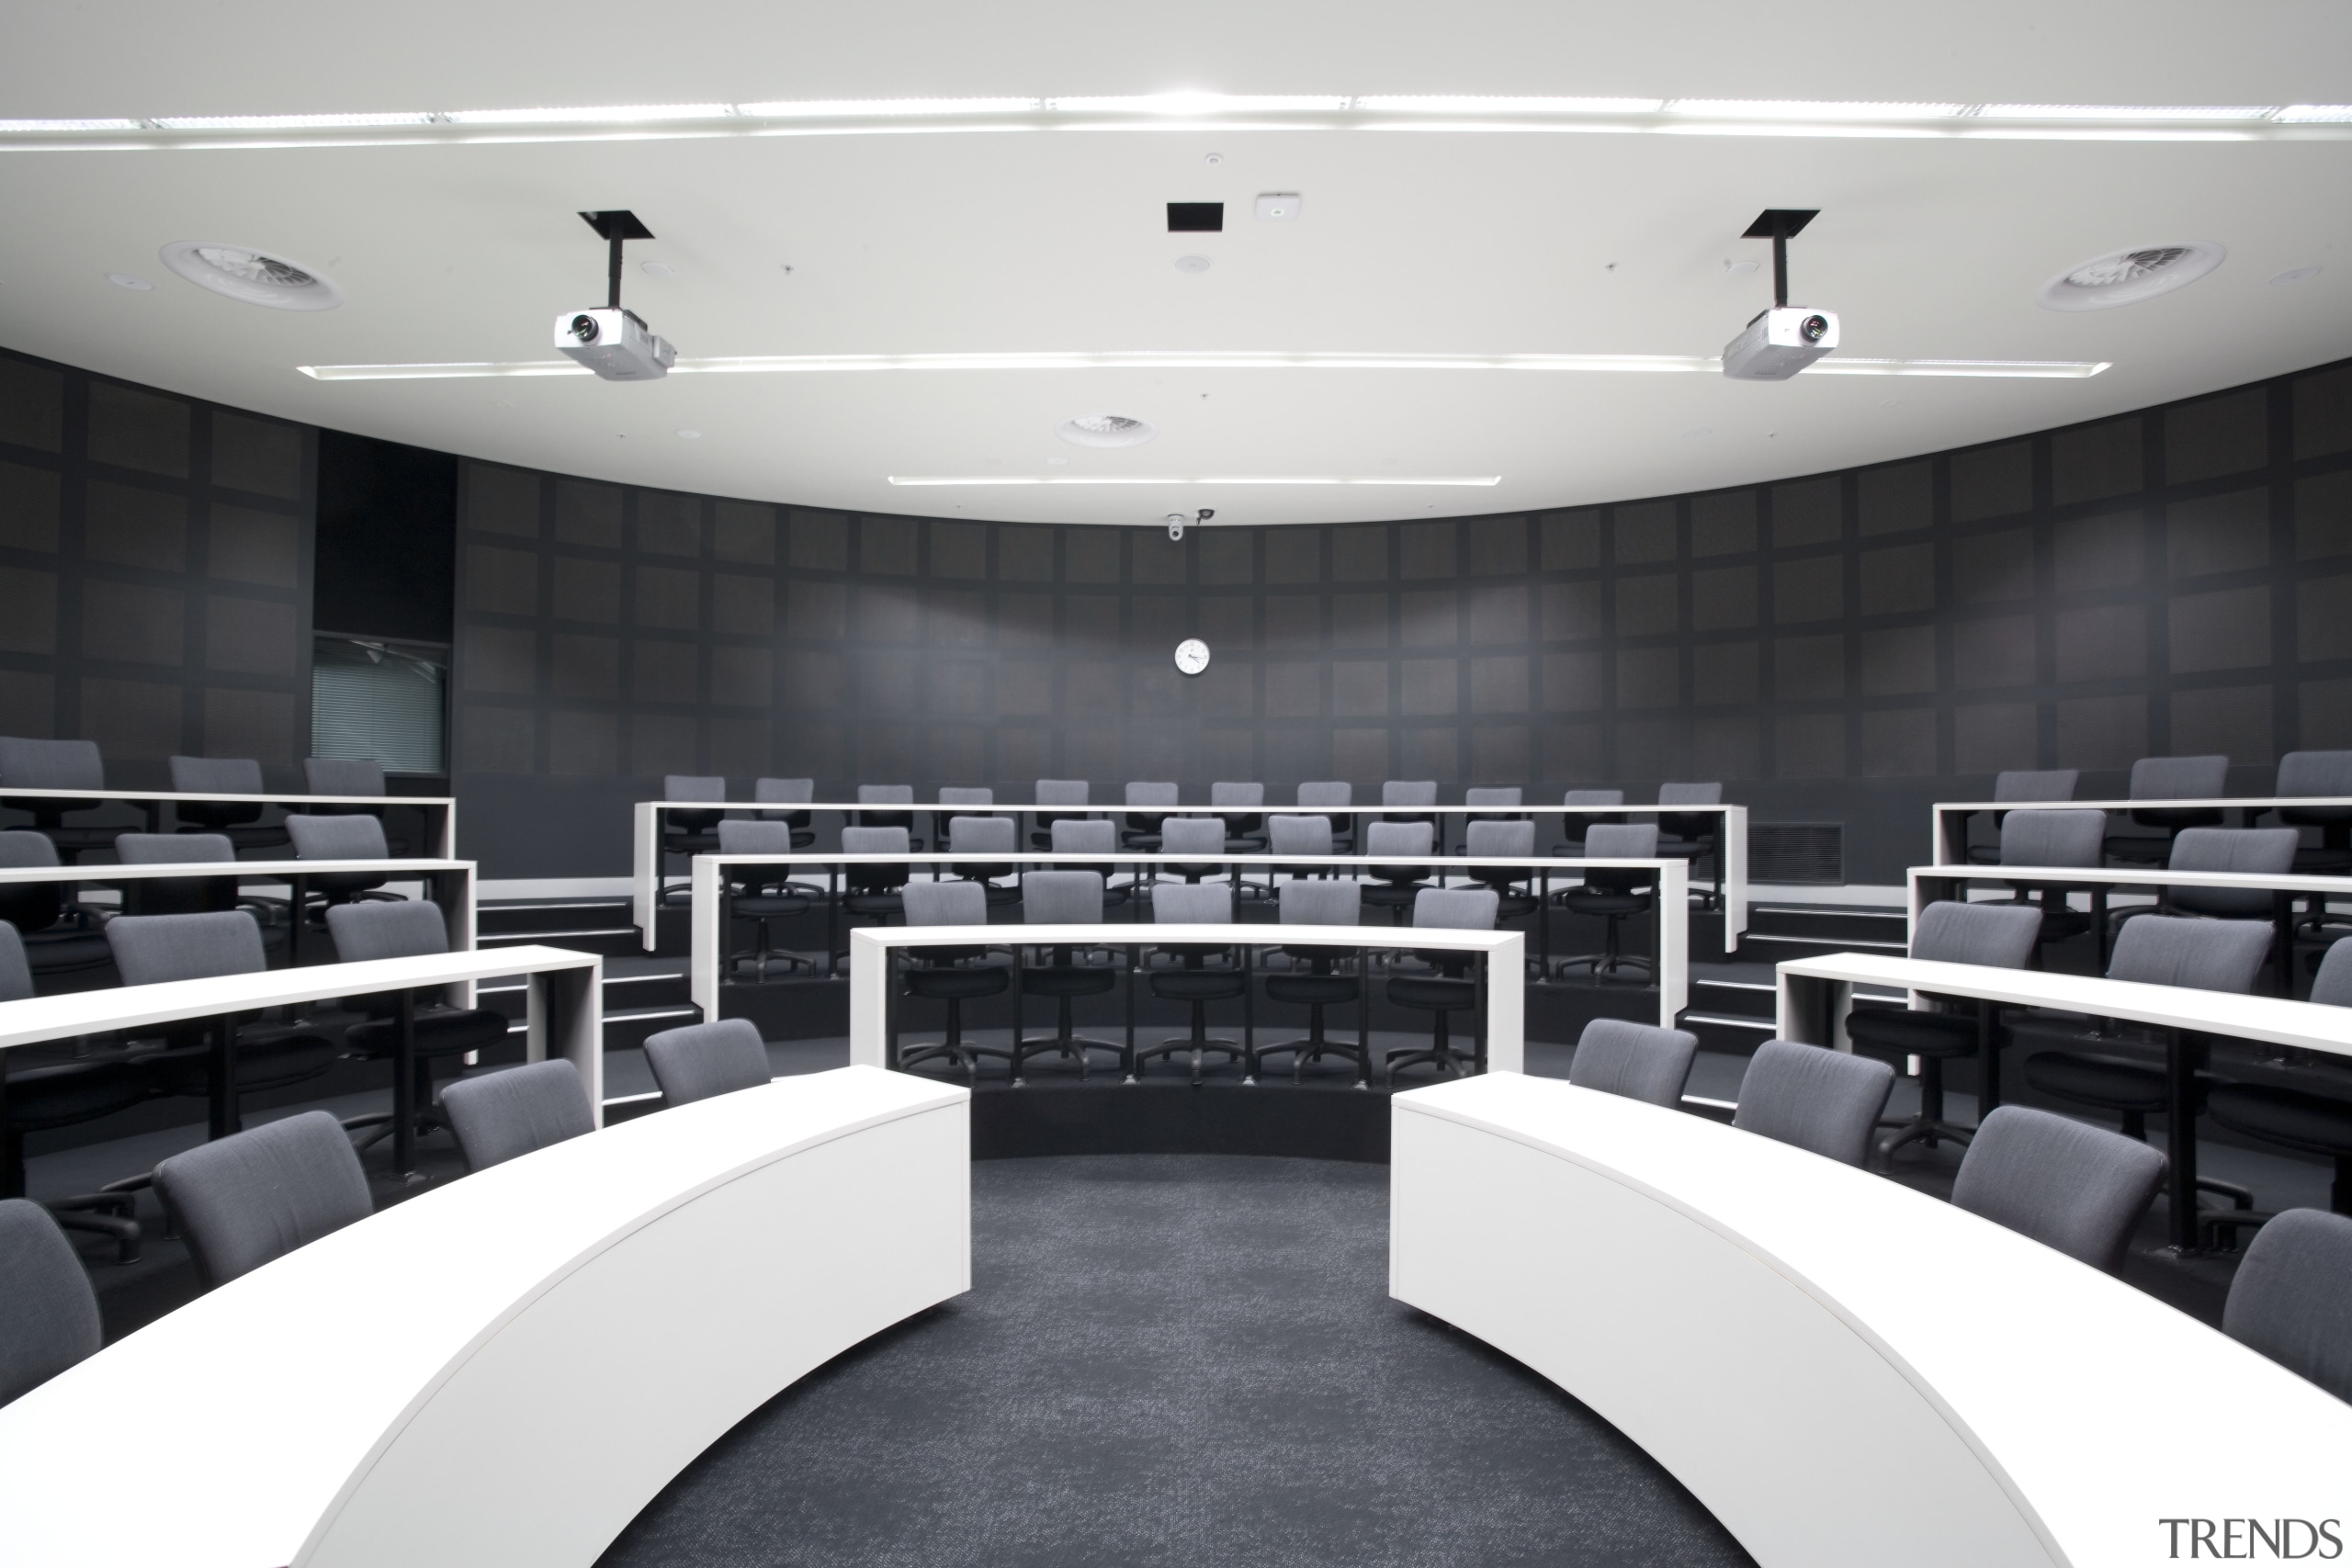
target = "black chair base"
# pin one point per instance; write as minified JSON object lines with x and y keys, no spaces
{"x":1197,"y":1045}
{"x":1605,"y":967}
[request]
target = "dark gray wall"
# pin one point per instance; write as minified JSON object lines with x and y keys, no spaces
{"x":1842,"y":649}
{"x":156,"y":565}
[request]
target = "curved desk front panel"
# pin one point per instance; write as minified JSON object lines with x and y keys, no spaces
{"x":506,"y":1369}
{"x":1846,"y":1372}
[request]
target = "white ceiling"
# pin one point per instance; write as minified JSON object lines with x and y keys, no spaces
{"x":1412,"y":241}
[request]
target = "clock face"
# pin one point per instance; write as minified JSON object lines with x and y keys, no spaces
{"x":1191,"y":656}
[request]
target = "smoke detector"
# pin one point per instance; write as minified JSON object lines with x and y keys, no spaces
{"x":1106,"y":430}
{"x":257,"y":277}
{"x":2126,"y":277}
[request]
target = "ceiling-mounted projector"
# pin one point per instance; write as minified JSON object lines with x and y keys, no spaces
{"x":1785,"y":339}
{"x":615,"y":344}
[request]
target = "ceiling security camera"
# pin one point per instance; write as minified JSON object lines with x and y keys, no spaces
{"x":1176,"y":526}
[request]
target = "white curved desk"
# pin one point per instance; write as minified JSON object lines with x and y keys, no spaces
{"x":505,"y":1370}
{"x":1846,"y":1372}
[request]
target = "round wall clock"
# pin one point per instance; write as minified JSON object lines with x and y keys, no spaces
{"x":1191,"y":656}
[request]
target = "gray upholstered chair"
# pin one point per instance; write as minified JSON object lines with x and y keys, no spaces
{"x":2290,"y":1299}
{"x":1209,"y":974}
{"x":177,"y":895}
{"x":2055,"y":784}
{"x":44,"y":1095}
{"x":1450,"y":990}
{"x":1331,"y":796}
{"x":788,"y":792}
{"x":1827,"y":1101}
{"x":2079,"y":1188}
{"x":245,"y":1200}
{"x":1244,"y":826}
{"x":1574,"y":827}
{"x":2123,"y":1073}
{"x":1091,"y":836}
{"x":1692,"y":836}
{"x":1999,"y":936}
{"x":1639,"y":1061}
{"x":1507,"y":795}
{"x":239,"y":820}
{"x":1054,"y":792}
{"x":1408,"y":792}
{"x":2304,"y":775}
{"x":153,"y":949}
{"x":689,"y":833}
{"x":55,"y":764}
{"x":341,"y":837}
{"x":887,"y":795}
{"x":438,"y":1032}
{"x":986,"y":836}
{"x":2169,"y":778}
{"x":2051,"y":839}
{"x":2258,"y":851}
{"x":344,"y":775}
{"x":1326,"y":981}
{"x":1308,"y":838}
{"x":1142,"y":831}
{"x":1394,"y":887}
{"x":1203,"y":836}
{"x":762,"y":894}
{"x":872,"y":888}
{"x":499,"y":1116}
{"x":1613,"y":896}
{"x":950,"y":974}
{"x":967,"y":795}
{"x":49,"y":1314}
{"x":699,"y":1060}
{"x":1514,"y":887}
{"x":62,"y":937}
{"x":2297,"y":1118}
{"x":1064,"y":898}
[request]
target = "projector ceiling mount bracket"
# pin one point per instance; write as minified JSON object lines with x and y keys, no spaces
{"x":1778,"y":224}
{"x":617,"y":228}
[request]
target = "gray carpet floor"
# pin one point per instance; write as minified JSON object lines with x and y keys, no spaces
{"x":1172,"y":1360}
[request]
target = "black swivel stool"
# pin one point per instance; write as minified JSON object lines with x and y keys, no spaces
{"x":1450,"y":990}
{"x":1311,"y":903}
{"x":1615,"y":895}
{"x":951,"y":975}
{"x":1197,"y":984}
{"x":763,"y":894}
{"x":1065,"y":898}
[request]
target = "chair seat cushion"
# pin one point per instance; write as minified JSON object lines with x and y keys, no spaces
{"x":2106,"y":1082}
{"x":264,"y":1063}
{"x":63,"y":1093}
{"x":1906,"y":1033}
{"x":1391,"y":895}
{"x":1586,"y":901}
{"x":955,"y":984}
{"x":440,"y":1032}
{"x":1067,"y":980}
{"x":65,"y":950}
{"x":767,"y":905}
{"x":1432,"y":995}
{"x":881,"y":905}
{"x":1197,"y":985}
{"x":1312,"y":990}
{"x":2316,"y":861}
{"x":2310,"y":1122}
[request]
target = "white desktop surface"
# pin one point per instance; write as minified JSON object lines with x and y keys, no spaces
{"x":1846,"y":1372}
{"x":500,"y":1372}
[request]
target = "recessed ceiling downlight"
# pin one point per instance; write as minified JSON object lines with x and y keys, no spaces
{"x":1106,"y":430}
{"x":257,"y":277}
{"x":2126,"y":277}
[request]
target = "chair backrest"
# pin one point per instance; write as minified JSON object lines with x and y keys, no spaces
{"x":875,"y":841}
{"x":885,"y":795}
{"x":2332,"y":987}
{"x":173,"y":849}
{"x":15,"y":974}
{"x":499,"y":1115}
{"x":1399,"y":839}
{"x":242,"y":1201}
{"x":2290,"y":1299}
{"x":49,"y":1314}
{"x":2054,"y":837}
{"x":1408,"y":792}
{"x":981,"y":836}
{"x":2205,"y":955}
{"x":1298,"y":835}
{"x":1252,"y":795}
{"x":754,"y":838}
{"x":1689,"y":794}
{"x":2304,"y":773}
{"x":2066,"y":1183}
{"x":1456,"y":909}
{"x":1620,"y":840}
{"x":153,"y":949}
{"x":1508,"y":795}
{"x":967,"y":795}
{"x":784,"y":792}
{"x":337,"y":838}
{"x":701,"y":1060}
{"x":2179,"y":778}
{"x":2051,"y":783}
{"x":344,"y":775}
{"x":1329,"y":792}
{"x":1074,"y":835}
{"x":1499,"y":838}
{"x":1061,"y":792}
{"x":413,"y":928}
{"x":215,"y":775}
{"x":1639,"y":1061}
{"x":1150,"y":793}
{"x":2001,"y":936}
{"x":23,"y":847}
{"x":692,"y":787}
{"x":1062,"y":897}
{"x":946,"y":904}
{"x":50,"y":764}
{"x":1191,"y":836}
{"x":1194,"y":904}
{"x":2258,"y":850}
{"x":1307,"y":901}
{"x":1827,"y":1101}
{"x":1593,"y":797}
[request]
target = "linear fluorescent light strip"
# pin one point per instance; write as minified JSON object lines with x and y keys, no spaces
{"x":960,"y":479}
{"x":822,"y":364}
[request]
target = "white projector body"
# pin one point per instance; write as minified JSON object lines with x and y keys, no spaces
{"x":1779,"y":343}
{"x":615,"y":344}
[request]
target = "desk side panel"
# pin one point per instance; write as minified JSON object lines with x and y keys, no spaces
{"x":1785,"y":1423}
{"x":548,"y":1440}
